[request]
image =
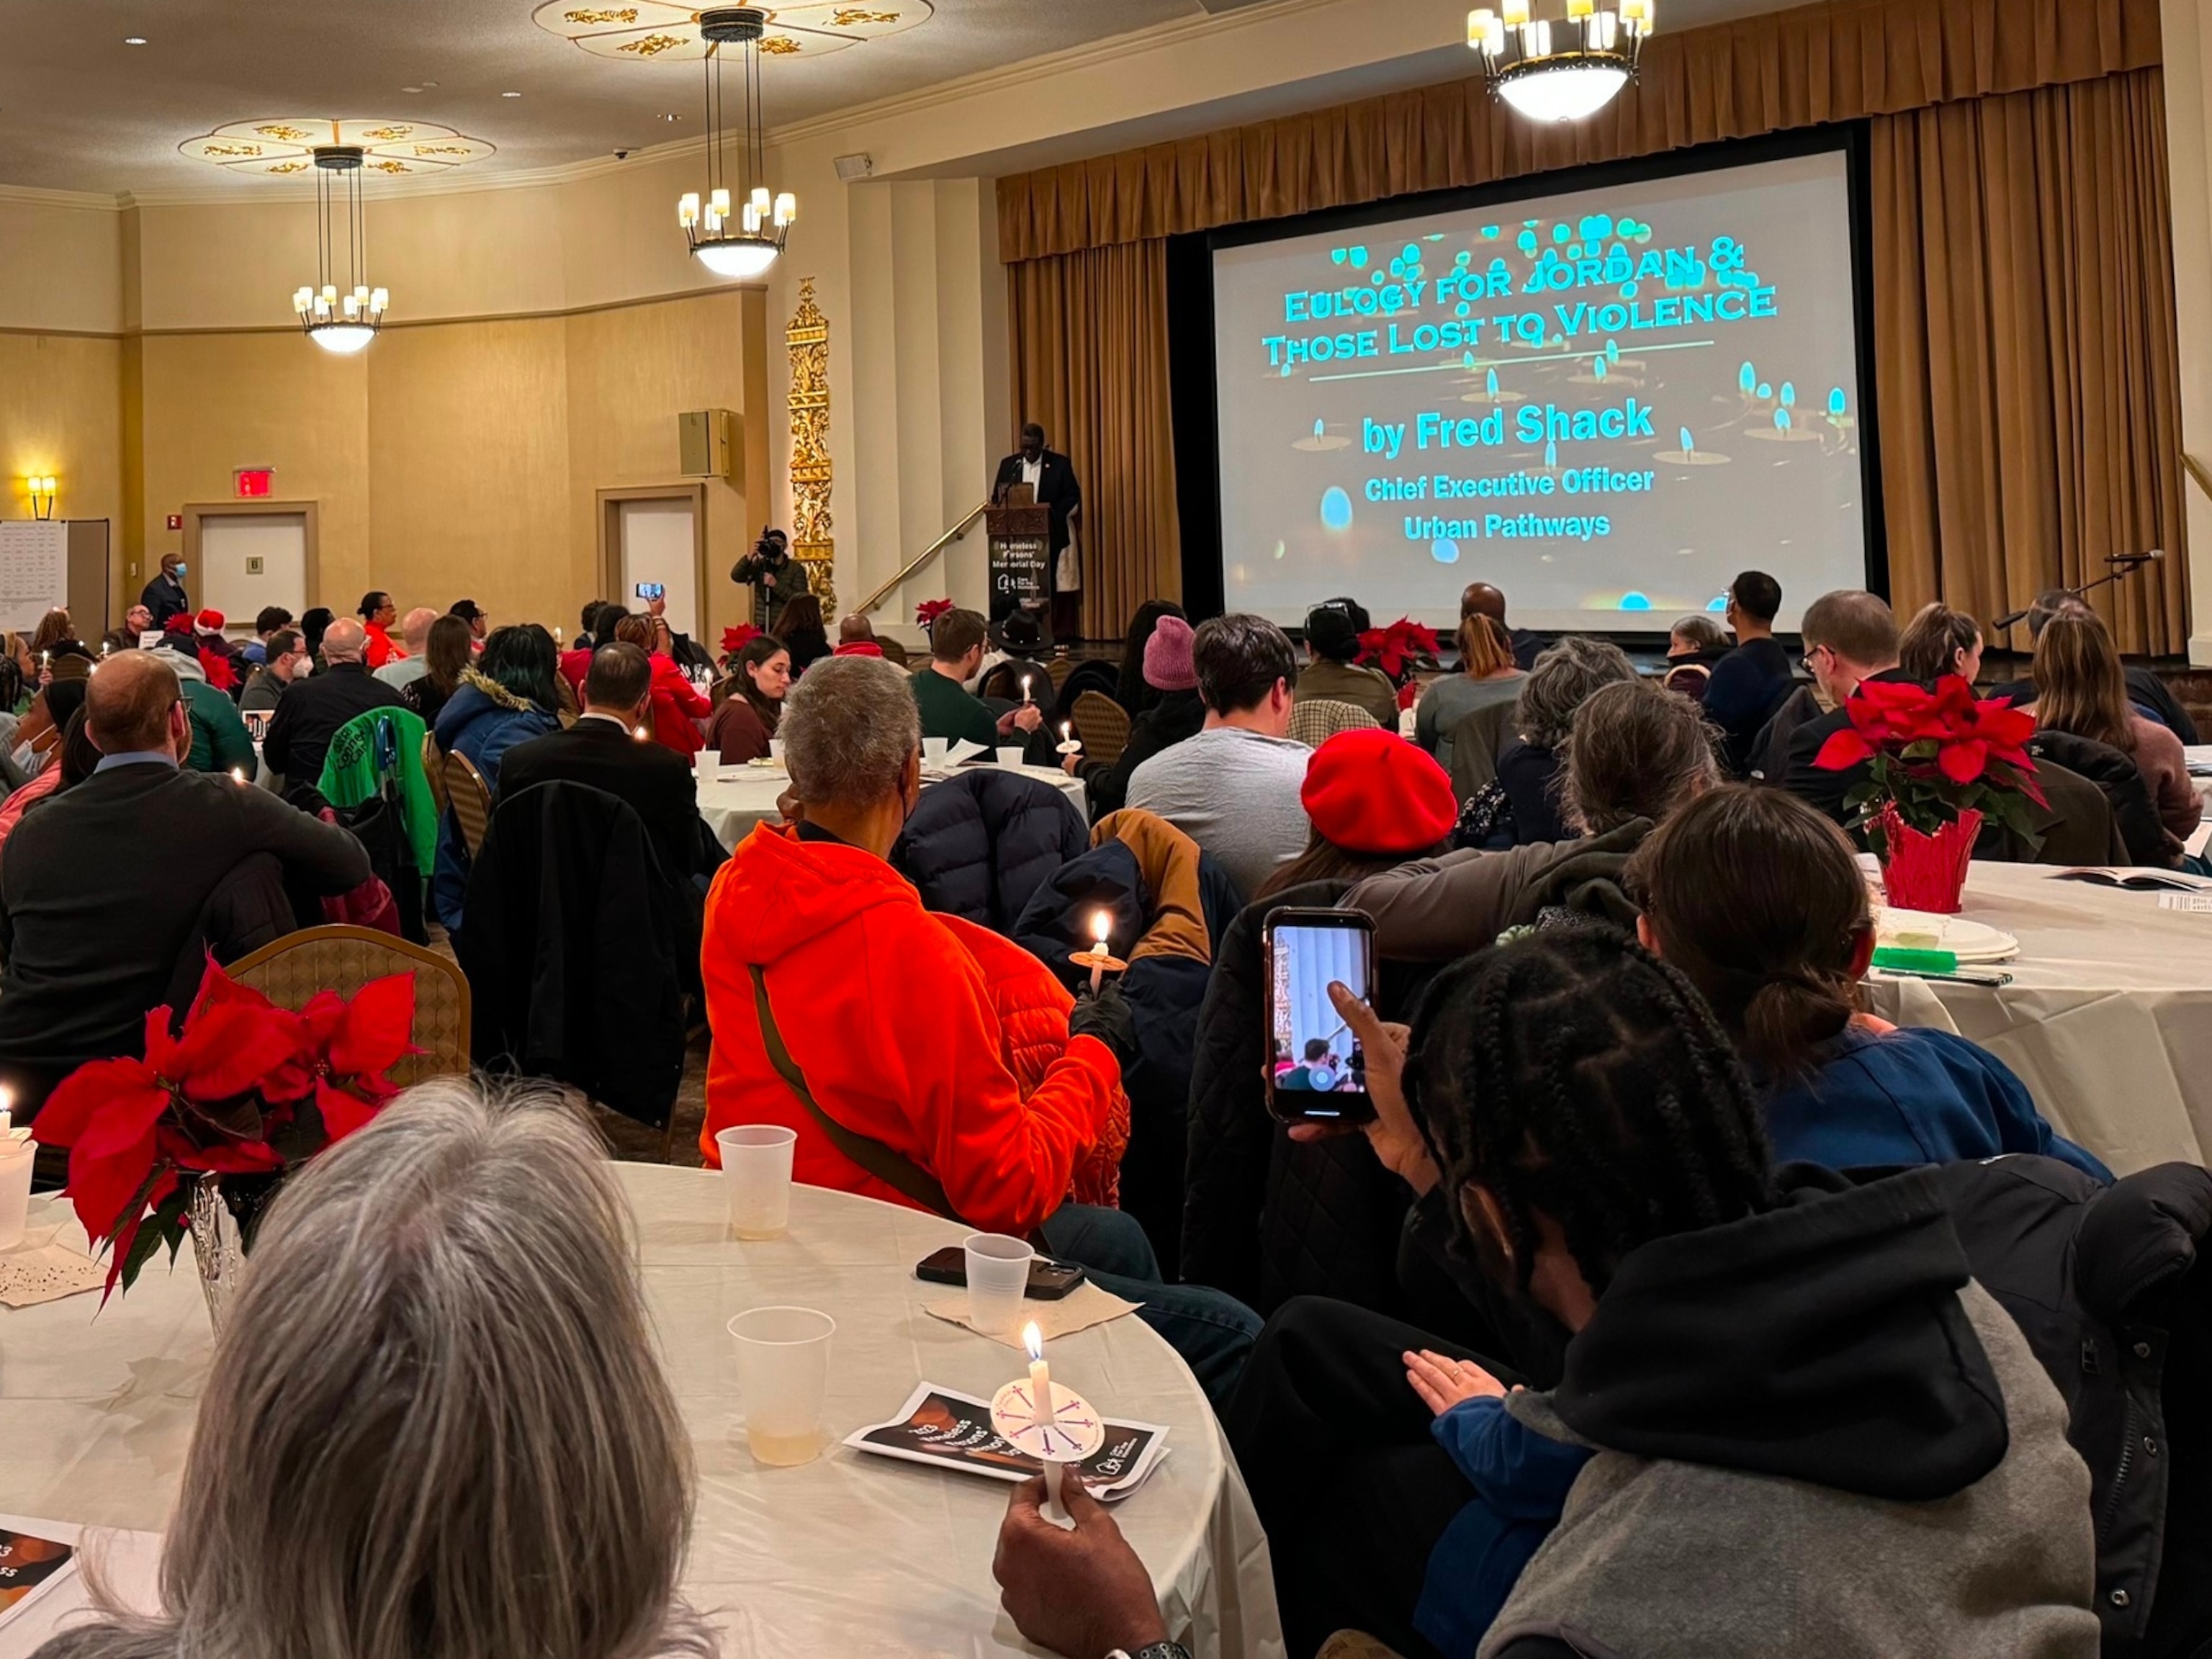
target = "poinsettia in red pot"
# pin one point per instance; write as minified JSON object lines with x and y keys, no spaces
{"x":195,"y":1135}
{"x":1398,"y":651}
{"x":1942,"y":761}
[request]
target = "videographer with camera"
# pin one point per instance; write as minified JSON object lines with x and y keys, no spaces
{"x":767,"y":570}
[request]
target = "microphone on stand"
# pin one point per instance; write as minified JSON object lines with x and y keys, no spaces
{"x":2123,"y":564}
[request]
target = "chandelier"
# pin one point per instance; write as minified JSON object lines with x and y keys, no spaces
{"x":732,"y":237}
{"x":340,"y":322}
{"x":1571,"y":79}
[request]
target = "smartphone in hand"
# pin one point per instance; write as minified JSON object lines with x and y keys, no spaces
{"x":1316,"y":1071}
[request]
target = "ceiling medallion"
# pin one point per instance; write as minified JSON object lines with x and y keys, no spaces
{"x":285,"y":148}
{"x":1594,"y":59}
{"x":654,"y":31}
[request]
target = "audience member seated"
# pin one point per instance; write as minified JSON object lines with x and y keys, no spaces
{"x":2079,"y":687}
{"x":506,"y":699}
{"x":2147,"y":689}
{"x":448,"y":651}
{"x":1940,"y":641}
{"x":948,"y":709}
{"x":312,"y":709}
{"x":221,"y":742}
{"x":1481,"y":600}
{"x":1017,"y":639}
{"x":314,"y":622}
{"x":1775,"y":1369}
{"x":856,"y":637}
{"x":414,"y":635}
{"x":600,"y":618}
{"x":474,"y":614}
{"x":54,"y":630}
{"x":1374,"y":801}
{"x":1694,"y":644}
{"x":799,"y":625}
{"x":438,"y":1378}
{"x":1174,"y":713}
{"x":1636,"y":756}
{"x":600,"y":752}
{"x":678,"y":705}
{"x":921,"y":1059}
{"x":1850,"y":637}
{"x":45,"y":721}
{"x":1332,"y":674}
{"x":1749,"y":684}
{"x":744,"y":726}
{"x":1233,"y":787}
{"x":77,"y":759}
{"x":1134,"y":689}
{"x":1759,"y":902}
{"x":137,"y":622}
{"x":283,"y":659}
{"x":103,"y":887}
{"x":1530,"y":767}
{"x":1487,"y":678}
{"x":378,"y":617}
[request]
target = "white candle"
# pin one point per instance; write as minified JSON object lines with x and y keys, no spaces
{"x":556,"y":637}
{"x":1101,"y":925}
{"x":7,"y":1109}
{"x":1045,"y":1415}
{"x":238,"y":775}
{"x":1026,"y":698}
{"x":1066,"y":732}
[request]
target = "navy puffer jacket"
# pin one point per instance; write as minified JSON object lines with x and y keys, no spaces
{"x":981,"y":844}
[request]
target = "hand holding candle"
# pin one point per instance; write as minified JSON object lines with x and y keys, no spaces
{"x":1068,"y":746}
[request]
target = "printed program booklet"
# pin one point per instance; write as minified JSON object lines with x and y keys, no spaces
{"x":953,"y":1431}
{"x":28,"y":1566}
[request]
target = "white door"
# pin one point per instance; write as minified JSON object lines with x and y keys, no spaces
{"x":658,"y":545}
{"x":250,"y":560}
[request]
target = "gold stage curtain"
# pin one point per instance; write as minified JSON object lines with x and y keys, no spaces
{"x":1838,"y":62}
{"x":2029,"y":402}
{"x":1090,"y":348}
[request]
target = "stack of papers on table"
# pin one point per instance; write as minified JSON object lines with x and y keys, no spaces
{"x":2139,"y":879}
{"x":953,"y":1431}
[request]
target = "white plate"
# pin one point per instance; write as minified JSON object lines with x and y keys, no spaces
{"x":1969,"y":941}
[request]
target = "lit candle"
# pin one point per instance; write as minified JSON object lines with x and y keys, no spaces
{"x":45,"y":659}
{"x":1047,"y":1415}
{"x":556,"y":637}
{"x":1067,"y":731}
{"x":639,"y":733}
{"x":1026,"y":698}
{"x":1101,"y":926}
{"x":238,"y":775}
{"x":7,"y":1115}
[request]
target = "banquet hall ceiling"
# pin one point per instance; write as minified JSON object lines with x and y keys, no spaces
{"x":82,"y":110}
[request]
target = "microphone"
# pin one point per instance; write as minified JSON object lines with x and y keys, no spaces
{"x":2006,"y":623}
{"x":2131,"y":560}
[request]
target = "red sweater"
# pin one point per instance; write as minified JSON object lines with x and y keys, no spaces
{"x":678,"y":705}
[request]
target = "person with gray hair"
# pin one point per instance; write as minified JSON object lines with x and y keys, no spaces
{"x":436,"y":1427}
{"x":1530,"y":767}
{"x":921,"y":1060}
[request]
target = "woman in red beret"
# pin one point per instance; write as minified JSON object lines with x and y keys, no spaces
{"x":1375,"y":801}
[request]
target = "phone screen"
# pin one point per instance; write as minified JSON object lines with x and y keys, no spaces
{"x":1317,"y":1070}
{"x":650,"y":590}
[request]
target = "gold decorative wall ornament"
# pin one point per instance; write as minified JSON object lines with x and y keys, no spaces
{"x":280,"y":149}
{"x":658,"y":30}
{"x":811,"y":541}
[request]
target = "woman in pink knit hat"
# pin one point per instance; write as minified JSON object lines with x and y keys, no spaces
{"x":1177,"y":714}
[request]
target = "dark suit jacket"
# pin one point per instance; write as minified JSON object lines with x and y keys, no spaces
{"x":165,"y":599}
{"x":102,"y":887}
{"x":1056,"y":489}
{"x":1826,"y":790}
{"x":656,"y":783}
{"x":310,"y":712}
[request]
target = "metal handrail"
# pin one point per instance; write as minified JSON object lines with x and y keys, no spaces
{"x":2195,"y":469}
{"x":923,"y":557}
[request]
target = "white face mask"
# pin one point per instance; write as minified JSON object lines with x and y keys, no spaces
{"x":302,"y":668}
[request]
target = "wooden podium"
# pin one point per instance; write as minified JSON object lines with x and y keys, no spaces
{"x":1020,"y":541}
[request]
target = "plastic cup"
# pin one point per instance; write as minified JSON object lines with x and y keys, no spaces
{"x":783,"y":1372}
{"x":775,"y":749}
{"x":998,"y":1279}
{"x":16,"y":1158}
{"x":934,"y":750}
{"x":757,"y":1167}
{"x":1012,"y":756}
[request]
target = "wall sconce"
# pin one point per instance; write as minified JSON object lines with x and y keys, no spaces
{"x":41,"y":492}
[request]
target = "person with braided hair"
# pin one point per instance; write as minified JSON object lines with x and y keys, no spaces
{"x":1786,"y":1419}
{"x":1758,"y":899}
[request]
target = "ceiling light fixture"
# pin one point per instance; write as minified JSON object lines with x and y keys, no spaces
{"x":1573,"y":81}
{"x":733,"y":238}
{"x":134,"y":40}
{"x":341,"y":323}
{"x":510,"y":95}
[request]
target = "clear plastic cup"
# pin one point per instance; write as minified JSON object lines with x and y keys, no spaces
{"x":998,"y":1279}
{"x":1010,"y":755}
{"x":756,"y":1170}
{"x":934,"y":750}
{"x":783,"y":1375}
{"x":16,"y":1158}
{"x":775,"y":749}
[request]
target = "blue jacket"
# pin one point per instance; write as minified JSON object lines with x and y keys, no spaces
{"x":1521,"y":1480}
{"x":1913,"y":1096}
{"x":476,"y":724}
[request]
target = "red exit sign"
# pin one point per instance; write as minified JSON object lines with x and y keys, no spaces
{"x":253,"y":483}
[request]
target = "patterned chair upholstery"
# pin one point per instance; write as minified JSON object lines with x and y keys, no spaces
{"x":290,"y":970}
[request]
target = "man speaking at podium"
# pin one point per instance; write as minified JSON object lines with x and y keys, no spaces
{"x":1051,"y":480}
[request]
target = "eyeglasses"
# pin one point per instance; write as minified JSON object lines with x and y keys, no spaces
{"x":1807,"y":661}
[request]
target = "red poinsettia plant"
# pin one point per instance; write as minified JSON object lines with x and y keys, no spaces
{"x":242,"y":1087}
{"x":927,"y":613}
{"x":736,"y":639}
{"x":1937,"y":755}
{"x":1398,"y":649}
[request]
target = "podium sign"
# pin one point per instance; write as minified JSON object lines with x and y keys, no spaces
{"x":1020,"y":539}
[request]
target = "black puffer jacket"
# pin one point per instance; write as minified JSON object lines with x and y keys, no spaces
{"x":980,"y":845}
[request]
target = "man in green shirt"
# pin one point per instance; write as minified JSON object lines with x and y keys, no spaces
{"x":955,"y":651}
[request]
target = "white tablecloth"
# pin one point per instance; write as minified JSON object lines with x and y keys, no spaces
{"x":735,"y":799}
{"x":847,"y":1555}
{"x":2108,"y":1019}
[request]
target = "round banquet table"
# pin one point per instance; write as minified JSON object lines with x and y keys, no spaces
{"x":2108,"y":1018}
{"x":734,"y":798}
{"x":849,"y":1554}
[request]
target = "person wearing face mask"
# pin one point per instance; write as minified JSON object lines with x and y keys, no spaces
{"x":165,"y":596}
{"x":288,"y":660}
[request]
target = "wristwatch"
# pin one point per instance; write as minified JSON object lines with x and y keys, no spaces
{"x":1158,"y":1650}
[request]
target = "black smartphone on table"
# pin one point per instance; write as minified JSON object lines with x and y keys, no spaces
{"x":1049,"y":1280}
{"x":1317,"y":1069}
